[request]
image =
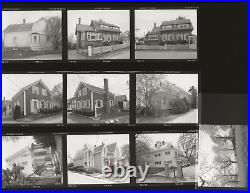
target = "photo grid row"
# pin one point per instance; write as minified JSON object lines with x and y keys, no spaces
{"x":99,"y":34}
{"x":207,"y":158}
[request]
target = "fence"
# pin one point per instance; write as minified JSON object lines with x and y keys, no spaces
{"x":166,"y":47}
{"x":104,"y":49}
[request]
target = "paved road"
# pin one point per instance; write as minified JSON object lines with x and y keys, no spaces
{"x":163,"y":54}
{"x":189,"y":117}
{"x":119,"y":54}
{"x":76,"y":178}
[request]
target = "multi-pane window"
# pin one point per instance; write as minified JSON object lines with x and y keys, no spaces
{"x":35,"y":90}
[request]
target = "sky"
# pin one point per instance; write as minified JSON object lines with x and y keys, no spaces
{"x":184,"y":81}
{"x":9,"y":148}
{"x":13,"y":83}
{"x":145,"y":19}
{"x":76,"y":142}
{"x":120,"y":18}
{"x":16,"y":17}
{"x":167,"y":137}
{"x":117,"y":82}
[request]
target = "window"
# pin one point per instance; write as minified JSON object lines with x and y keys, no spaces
{"x":169,"y":162}
{"x":44,"y":92}
{"x":88,"y":104}
{"x":79,"y":93}
{"x":35,"y":90}
{"x":176,"y":154}
{"x":99,"y":103}
{"x":47,"y":104}
{"x":42,"y":103}
{"x":78,"y":104}
{"x":14,"y":39}
{"x":84,"y":91}
{"x":35,"y":39}
{"x":167,"y":153}
{"x":82,"y":36}
{"x":111,"y":103}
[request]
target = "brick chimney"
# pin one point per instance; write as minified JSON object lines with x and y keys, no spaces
{"x":79,"y":20}
{"x":24,"y":21}
{"x":106,"y":101}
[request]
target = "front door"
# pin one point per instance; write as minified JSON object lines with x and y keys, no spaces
{"x":34,"y":106}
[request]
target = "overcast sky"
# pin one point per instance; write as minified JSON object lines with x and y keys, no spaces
{"x":16,"y":17}
{"x":120,"y":18}
{"x":145,"y":19}
{"x":13,"y":83}
{"x":9,"y":148}
{"x":117,"y":82}
{"x":76,"y":142}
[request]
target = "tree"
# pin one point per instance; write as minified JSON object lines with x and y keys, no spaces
{"x":125,"y":151}
{"x":55,"y":31}
{"x":146,"y":86}
{"x":57,"y":94}
{"x":11,"y":138}
{"x":142,"y":149}
{"x":13,"y":176}
{"x":46,"y":140}
{"x":194,"y":95}
{"x":187,"y":143}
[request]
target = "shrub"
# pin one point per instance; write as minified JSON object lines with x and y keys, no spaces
{"x":178,"y":106}
{"x":88,"y":113}
{"x":106,"y":43}
{"x":53,"y":110}
{"x":17,"y":112}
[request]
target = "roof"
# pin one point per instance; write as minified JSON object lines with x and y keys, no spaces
{"x":176,"y":21}
{"x":83,"y":27}
{"x":20,"y":152}
{"x":101,"y":22}
{"x":30,"y":85}
{"x":155,"y":30}
{"x":111,"y":148}
{"x":99,"y":148}
{"x":167,"y":146}
{"x":92,"y":88}
{"x":18,"y":27}
{"x":121,"y":98}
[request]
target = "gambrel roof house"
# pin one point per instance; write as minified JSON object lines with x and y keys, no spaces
{"x":35,"y":36}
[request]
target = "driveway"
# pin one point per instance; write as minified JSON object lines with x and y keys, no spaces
{"x":118,"y":54}
{"x":165,"y":54}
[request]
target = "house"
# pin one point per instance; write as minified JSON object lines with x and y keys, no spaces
{"x":164,"y":153}
{"x":88,"y":97}
{"x":97,"y":157}
{"x":96,"y":34}
{"x":31,"y":157}
{"x":34,"y":36}
{"x":32,"y":98}
{"x":178,"y":30}
{"x":165,"y":94}
{"x":122,"y":102}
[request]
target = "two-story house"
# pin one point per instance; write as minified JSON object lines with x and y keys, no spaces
{"x":96,"y":33}
{"x":179,"y":29}
{"x":164,"y":153}
{"x":34,"y":36}
{"x":32,"y":98}
{"x":88,"y":97}
{"x":97,"y":157}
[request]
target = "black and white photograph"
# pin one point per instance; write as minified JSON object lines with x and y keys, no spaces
{"x":167,"y":98}
{"x":223,"y":156}
{"x":98,"y":34}
{"x":32,"y":99}
{"x":32,"y":160}
{"x":32,"y":35}
{"x":98,"y":98}
{"x":167,"y":157}
{"x":89,"y":155}
{"x":166,"y":34}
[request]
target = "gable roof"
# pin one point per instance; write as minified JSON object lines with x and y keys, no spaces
{"x":155,"y":30}
{"x":18,"y":27}
{"x":111,"y":147}
{"x":101,"y":22}
{"x":176,"y":21}
{"x":121,"y":98}
{"x":83,"y":27}
{"x":30,"y":85}
{"x":92,"y":88}
{"x":18,"y":153}
{"x":99,"y":148}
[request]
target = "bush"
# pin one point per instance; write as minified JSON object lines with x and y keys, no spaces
{"x":178,"y":106}
{"x":88,"y":113}
{"x":89,"y":170}
{"x":106,"y":43}
{"x":17,"y":112}
{"x":53,"y":110}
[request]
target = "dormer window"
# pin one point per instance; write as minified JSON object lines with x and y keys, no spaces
{"x":35,"y":90}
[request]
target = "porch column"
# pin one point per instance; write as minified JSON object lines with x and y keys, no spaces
{"x":24,"y":103}
{"x":166,"y":171}
{"x":179,"y":170}
{"x":92,"y":100}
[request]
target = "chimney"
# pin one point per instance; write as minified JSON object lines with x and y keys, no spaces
{"x":106,"y":101}
{"x":154,"y":24}
{"x":79,"y":20}
{"x":24,"y":20}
